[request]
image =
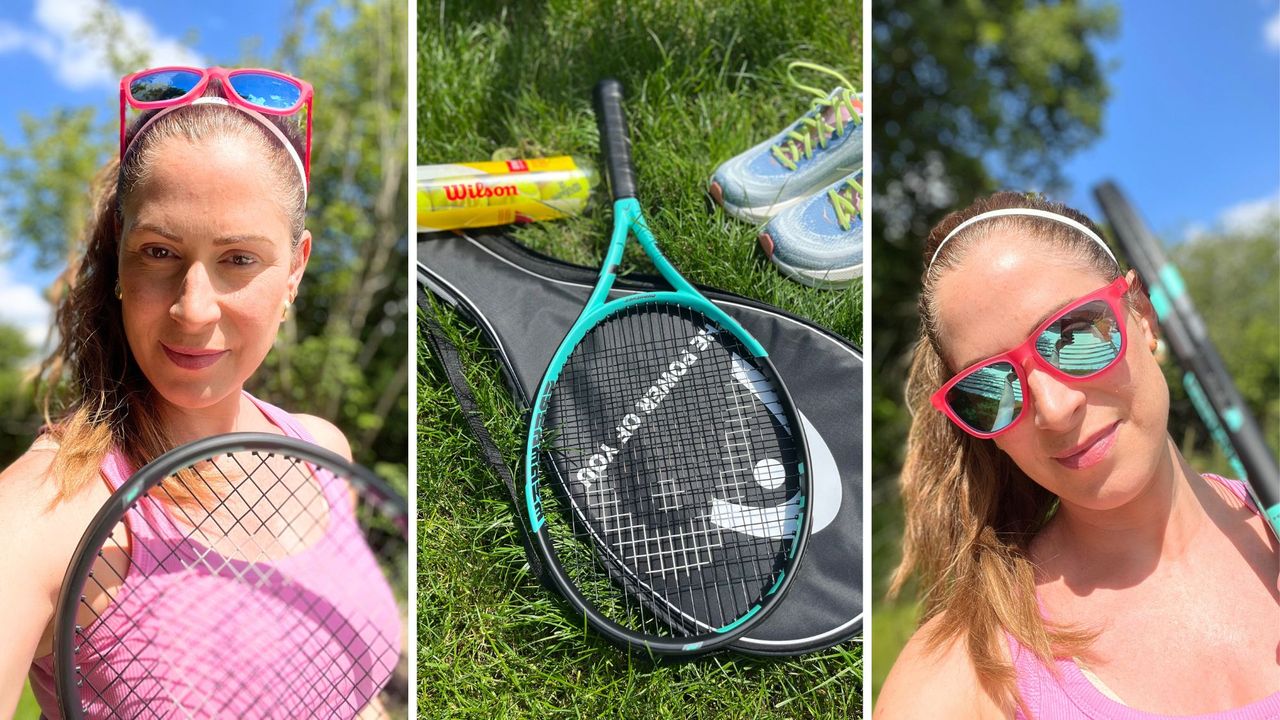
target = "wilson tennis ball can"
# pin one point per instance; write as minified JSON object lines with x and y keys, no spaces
{"x":457,"y":196}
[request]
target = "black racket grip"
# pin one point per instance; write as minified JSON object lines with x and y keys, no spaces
{"x":614,"y":138}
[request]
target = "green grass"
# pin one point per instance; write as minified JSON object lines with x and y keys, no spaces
{"x":892,"y":625}
{"x":28,"y":709}
{"x":704,"y":81}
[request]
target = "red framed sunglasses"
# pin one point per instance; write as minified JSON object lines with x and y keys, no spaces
{"x":1081,"y":341}
{"x":263,"y":91}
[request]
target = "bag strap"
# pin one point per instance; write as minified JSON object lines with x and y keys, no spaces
{"x":451,"y":361}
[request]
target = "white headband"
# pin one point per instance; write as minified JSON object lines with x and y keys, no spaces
{"x":1026,"y":211}
{"x":215,"y":100}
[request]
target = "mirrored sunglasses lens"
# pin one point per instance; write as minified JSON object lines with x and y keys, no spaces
{"x":266,"y":91}
{"x":163,"y":85}
{"x":987,"y":399}
{"x":1082,"y":342}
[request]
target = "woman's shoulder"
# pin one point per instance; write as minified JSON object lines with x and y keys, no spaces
{"x":326,"y":434}
{"x":39,"y":526}
{"x":322,"y":432}
{"x":30,"y":491}
{"x":935,"y":678}
{"x":29,"y":479}
{"x":1234,"y":493}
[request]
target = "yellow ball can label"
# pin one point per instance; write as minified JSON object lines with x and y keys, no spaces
{"x":469,"y":195}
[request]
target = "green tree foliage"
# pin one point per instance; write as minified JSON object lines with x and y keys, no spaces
{"x":969,"y":97}
{"x":16,"y":423}
{"x":343,"y":355}
{"x":44,"y":180}
{"x":346,"y":357}
{"x":1234,"y":279}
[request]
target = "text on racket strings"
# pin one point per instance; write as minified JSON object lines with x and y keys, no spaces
{"x":598,"y":463}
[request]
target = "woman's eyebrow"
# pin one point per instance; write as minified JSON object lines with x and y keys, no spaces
{"x":1043,"y":318}
{"x":1034,"y":326}
{"x":218,"y":242}
{"x":152,"y":228}
{"x":245,"y":238}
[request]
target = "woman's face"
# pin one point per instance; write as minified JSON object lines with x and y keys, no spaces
{"x":206,"y":264}
{"x":1095,"y":443}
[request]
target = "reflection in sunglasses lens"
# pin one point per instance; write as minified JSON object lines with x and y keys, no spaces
{"x":1082,"y":342}
{"x":164,"y":85}
{"x":987,"y":399}
{"x":266,"y":91}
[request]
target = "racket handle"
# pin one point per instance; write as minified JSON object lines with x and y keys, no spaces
{"x":614,"y":138}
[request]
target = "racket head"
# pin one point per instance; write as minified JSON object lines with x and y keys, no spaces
{"x":231,"y":542}
{"x":668,"y":478}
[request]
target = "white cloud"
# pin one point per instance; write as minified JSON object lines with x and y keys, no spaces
{"x":1271,"y":31}
{"x":1243,"y":217}
{"x":23,"y":306}
{"x":1194,"y":231}
{"x":16,"y":39}
{"x":11,"y":37}
{"x":1250,"y":214}
{"x":77,"y":55}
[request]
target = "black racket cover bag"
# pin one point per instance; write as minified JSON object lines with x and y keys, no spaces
{"x":524,"y":303}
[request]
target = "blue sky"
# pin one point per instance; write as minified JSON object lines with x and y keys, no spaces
{"x":46,"y":63}
{"x":1192,"y":130}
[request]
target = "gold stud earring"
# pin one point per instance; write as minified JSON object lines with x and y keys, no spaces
{"x":119,"y":291}
{"x":1154,"y":344}
{"x":284,"y":311}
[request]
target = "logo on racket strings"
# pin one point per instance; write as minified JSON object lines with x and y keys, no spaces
{"x":630,"y":423}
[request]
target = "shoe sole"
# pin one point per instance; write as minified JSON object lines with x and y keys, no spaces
{"x":833,"y":279}
{"x":762,"y":214}
{"x":830,"y":279}
{"x":753,"y":215}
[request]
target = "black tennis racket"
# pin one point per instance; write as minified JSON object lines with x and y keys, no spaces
{"x":245,"y":575}
{"x":1205,"y":377}
{"x":665,"y":472}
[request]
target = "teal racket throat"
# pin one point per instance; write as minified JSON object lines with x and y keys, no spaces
{"x":629,"y":217}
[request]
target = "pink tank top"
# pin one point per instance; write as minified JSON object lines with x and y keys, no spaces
{"x":328,"y":601}
{"x":1071,"y":696}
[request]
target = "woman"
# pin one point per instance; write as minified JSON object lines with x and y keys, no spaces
{"x":195,"y":253}
{"x":1073,"y":565}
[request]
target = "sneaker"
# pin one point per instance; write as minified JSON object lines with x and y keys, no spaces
{"x":819,"y":242}
{"x":818,"y":149}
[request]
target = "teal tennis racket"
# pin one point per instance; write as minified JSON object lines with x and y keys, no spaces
{"x":665,"y":474}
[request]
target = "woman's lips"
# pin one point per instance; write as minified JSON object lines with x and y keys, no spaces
{"x":1091,"y":451}
{"x":193,"y":358}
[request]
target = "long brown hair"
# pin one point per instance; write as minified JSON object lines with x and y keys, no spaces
{"x":971,"y":512}
{"x":94,"y":395}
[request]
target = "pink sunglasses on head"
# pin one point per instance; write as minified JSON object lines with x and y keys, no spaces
{"x":263,"y":91}
{"x":1084,"y":339}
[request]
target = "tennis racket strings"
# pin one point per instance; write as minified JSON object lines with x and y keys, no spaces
{"x":248,"y":584}
{"x":674,"y":468}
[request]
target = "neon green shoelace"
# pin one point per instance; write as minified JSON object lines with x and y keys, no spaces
{"x":847,"y":200}
{"x":816,"y":126}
